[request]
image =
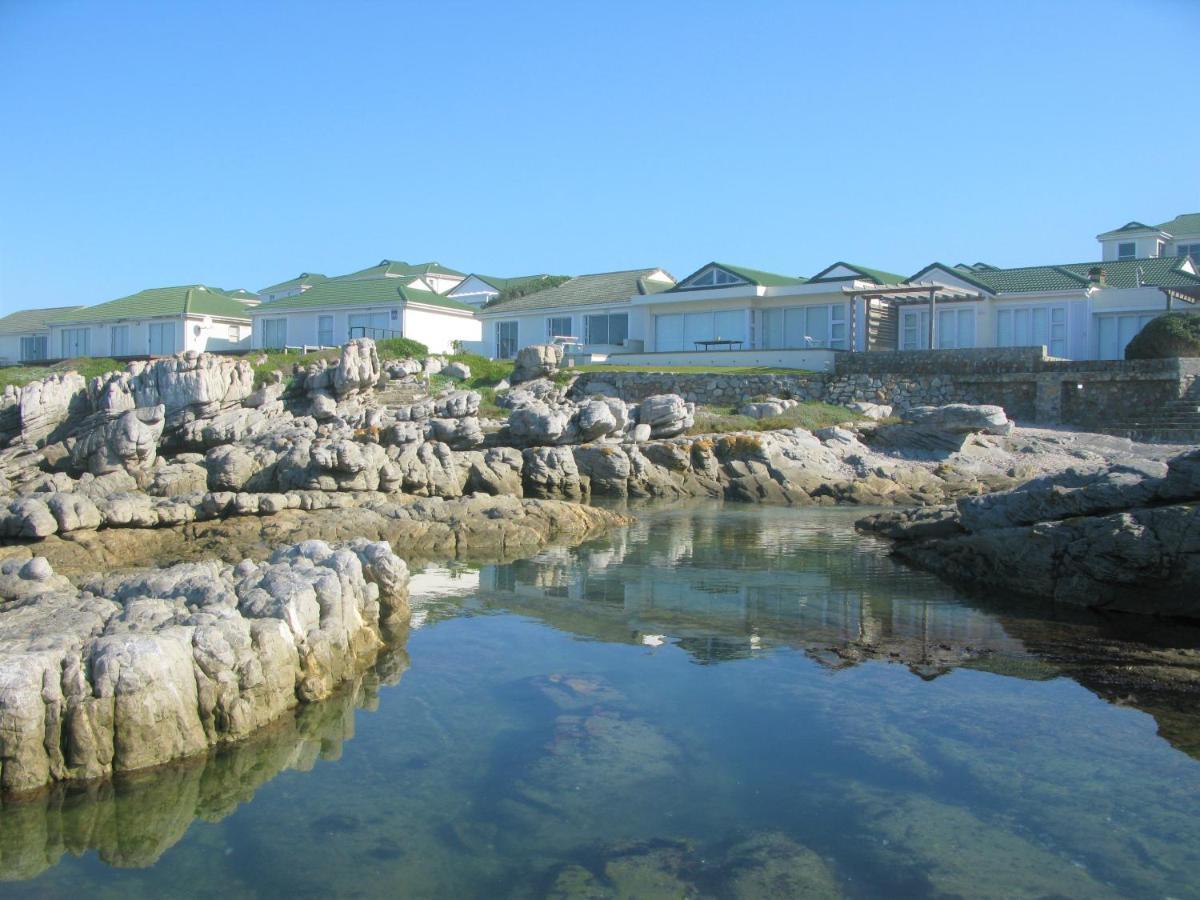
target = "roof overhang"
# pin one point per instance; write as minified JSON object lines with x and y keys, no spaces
{"x":1188,"y":294}
{"x":922,"y":292}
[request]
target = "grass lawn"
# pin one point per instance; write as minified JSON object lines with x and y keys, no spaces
{"x":600,"y":368}
{"x":811,"y":414}
{"x":86,"y":366}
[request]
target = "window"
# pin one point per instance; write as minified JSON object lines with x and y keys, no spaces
{"x":76,"y":342}
{"x":955,"y":328}
{"x":914,"y":329}
{"x":714,"y":278}
{"x":274,"y":334}
{"x":558,"y":326}
{"x":1033,"y":326}
{"x":325,"y":331}
{"x":1192,"y":250}
{"x":506,"y":340}
{"x":606,"y":328}
{"x":162,"y":338}
{"x":1127,"y":250}
{"x":799,"y":327}
{"x":34,"y":347}
{"x":118,"y":340}
{"x":1114,"y":332}
{"x":373,"y":325}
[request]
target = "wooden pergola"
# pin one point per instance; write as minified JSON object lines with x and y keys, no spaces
{"x":1189,"y":294}
{"x":907,"y":294}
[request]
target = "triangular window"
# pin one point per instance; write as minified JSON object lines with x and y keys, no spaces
{"x":714,"y":277}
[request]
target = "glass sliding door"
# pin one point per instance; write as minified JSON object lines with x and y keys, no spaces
{"x":75,"y":342}
{"x":162,"y":338}
{"x":506,"y":340}
{"x":668,"y":333}
{"x":118,"y":339}
{"x":325,"y":331}
{"x":274,"y":334}
{"x":1115,"y":331}
{"x":34,"y":347}
{"x":1032,"y":326}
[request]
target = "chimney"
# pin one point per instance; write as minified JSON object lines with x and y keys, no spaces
{"x":1097,"y":277}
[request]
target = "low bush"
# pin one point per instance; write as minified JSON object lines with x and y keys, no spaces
{"x":1172,"y":334}
{"x":401,"y":348}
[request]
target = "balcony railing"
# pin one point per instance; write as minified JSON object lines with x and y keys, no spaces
{"x":378,"y":334}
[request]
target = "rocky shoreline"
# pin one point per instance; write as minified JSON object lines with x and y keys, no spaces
{"x":1124,"y":539}
{"x":321,"y":484}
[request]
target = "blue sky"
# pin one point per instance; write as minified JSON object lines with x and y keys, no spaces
{"x":238,"y":144}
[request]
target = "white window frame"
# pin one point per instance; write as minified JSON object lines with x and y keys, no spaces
{"x":1053,"y":344}
{"x":836,"y":332}
{"x":325,"y":334}
{"x":1122,"y":255}
{"x":34,"y":347}
{"x":161,"y":330}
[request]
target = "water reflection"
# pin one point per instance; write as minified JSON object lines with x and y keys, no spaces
{"x":133,"y":819}
{"x":714,"y":701}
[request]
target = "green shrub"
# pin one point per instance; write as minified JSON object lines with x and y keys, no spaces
{"x":1172,"y":334}
{"x":484,"y":372}
{"x":401,"y":348}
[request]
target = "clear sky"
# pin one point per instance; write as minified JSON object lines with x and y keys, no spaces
{"x":239,"y":144}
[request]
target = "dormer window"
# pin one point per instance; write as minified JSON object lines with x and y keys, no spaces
{"x":1192,"y":250}
{"x":1127,"y":250}
{"x":715,"y":278}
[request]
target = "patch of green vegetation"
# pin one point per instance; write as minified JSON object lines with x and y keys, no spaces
{"x":811,"y":415}
{"x":690,"y":370}
{"x":484,"y":372}
{"x":87,"y":366}
{"x":1173,"y":334}
{"x":266,"y":362}
{"x":401,"y":348}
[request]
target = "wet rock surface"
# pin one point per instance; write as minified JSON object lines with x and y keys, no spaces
{"x":1126,"y":537}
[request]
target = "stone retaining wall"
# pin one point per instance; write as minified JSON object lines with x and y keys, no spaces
{"x":1033,"y":387}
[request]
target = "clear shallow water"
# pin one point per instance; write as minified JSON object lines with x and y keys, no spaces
{"x":716,"y":701}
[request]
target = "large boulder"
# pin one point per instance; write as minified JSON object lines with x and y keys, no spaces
{"x":358,"y":368}
{"x":128,"y":442}
{"x":536,"y":361}
{"x":961,"y":418}
{"x":537,"y":425}
{"x":667,"y":415}
{"x":44,"y":406}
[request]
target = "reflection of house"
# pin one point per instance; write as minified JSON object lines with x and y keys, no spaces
{"x":333,"y":311}
{"x":25,"y":336}
{"x":155,"y":322}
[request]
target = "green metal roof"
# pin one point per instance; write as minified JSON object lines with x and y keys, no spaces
{"x":1188,"y":223}
{"x":1166,"y":271}
{"x":398,"y":269}
{"x":753,"y":276}
{"x":879,"y":276}
{"x":586,"y":290}
{"x":241,"y":294}
{"x":191,"y":299}
{"x":26,"y":320}
{"x":1133,"y":226}
{"x":358,"y":292}
{"x":302,"y":278}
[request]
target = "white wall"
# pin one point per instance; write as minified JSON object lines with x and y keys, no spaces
{"x":216,"y":337}
{"x":435,"y":328}
{"x":812,"y":360}
{"x":438,"y":330}
{"x":1146,"y":246}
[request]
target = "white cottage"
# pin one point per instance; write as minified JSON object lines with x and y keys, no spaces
{"x":155,"y":322}
{"x":591,"y":310}
{"x":332,"y":312}
{"x":25,"y":335}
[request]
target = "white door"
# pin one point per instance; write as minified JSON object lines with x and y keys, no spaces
{"x":914,"y":329}
{"x":955,"y":328}
{"x":162,"y":338}
{"x":1116,"y":331}
{"x":325,"y":331}
{"x":506,"y":340}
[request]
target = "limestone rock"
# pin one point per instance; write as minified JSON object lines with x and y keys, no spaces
{"x":667,"y":415}
{"x":457,"y":370}
{"x":536,"y":361}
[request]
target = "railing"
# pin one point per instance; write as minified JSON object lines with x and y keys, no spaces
{"x":378,"y":334}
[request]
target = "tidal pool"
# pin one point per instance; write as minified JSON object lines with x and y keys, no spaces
{"x":716,"y":701}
